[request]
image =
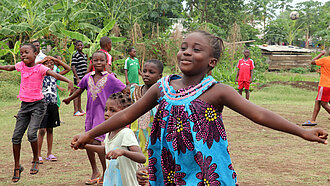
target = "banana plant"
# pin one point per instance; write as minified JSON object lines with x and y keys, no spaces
{"x":5,"y":49}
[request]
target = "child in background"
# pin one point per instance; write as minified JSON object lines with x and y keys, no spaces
{"x":121,"y":147}
{"x":99,"y":85}
{"x":244,"y":74}
{"x":51,"y":118}
{"x":132,"y":67}
{"x":79,"y":69}
{"x":151,"y":73}
{"x":106,"y":45}
{"x":58,"y":83}
{"x":32,"y":108}
{"x":323,"y":96}
{"x":188,"y":143}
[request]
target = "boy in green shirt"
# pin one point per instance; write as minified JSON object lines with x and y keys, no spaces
{"x":132,"y":67}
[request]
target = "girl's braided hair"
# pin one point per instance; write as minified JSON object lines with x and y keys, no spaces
{"x":123,"y":99}
{"x":215,"y":42}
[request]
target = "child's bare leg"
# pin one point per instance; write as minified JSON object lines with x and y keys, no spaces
{"x":17,"y":153}
{"x":326,"y":106}
{"x":92,"y":161}
{"x":34,"y":146}
{"x":240,"y":91}
{"x":41,"y":135}
{"x":49,"y":141}
{"x":247,"y":94}
{"x":79,"y":104}
{"x":75,"y":103}
{"x":103,"y":162}
{"x":316,"y":111}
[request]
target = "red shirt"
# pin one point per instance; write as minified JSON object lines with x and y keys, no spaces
{"x":245,"y":68}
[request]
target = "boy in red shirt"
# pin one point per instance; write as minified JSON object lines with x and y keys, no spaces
{"x":323,"y":95}
{"x":106,"y":45}
{"x":244,"y":73}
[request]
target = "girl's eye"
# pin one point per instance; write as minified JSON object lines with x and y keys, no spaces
{"x":196,"y":50}
{"x":183,"y":48}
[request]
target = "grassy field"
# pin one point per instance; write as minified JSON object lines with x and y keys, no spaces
{"x":260,"y":156}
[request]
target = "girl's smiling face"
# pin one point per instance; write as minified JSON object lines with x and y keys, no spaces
{"x":195,"y":55}
{"x":28,"y":55}
{"x":99,"y":61}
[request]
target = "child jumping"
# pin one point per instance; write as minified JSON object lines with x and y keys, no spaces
{"x":79,"y":69}
{"x":244,"y":74}
{"x":121,"y":147}
{"x":51,"y":118}
{"x":132,"y":67}
{"x":32,"y":108}
{"x":99,"y":85}
{"x":323,"y":95}
{"x":188,"y":143}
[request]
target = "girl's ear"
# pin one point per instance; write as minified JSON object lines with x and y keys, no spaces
{"x":213,"y":62}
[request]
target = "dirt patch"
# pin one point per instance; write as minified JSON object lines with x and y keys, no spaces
{"x":307,"y":85}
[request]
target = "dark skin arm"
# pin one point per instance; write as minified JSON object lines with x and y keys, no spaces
{"x":227,"y":96}
{"x":317,"y":57}
{"x":74,"y":95}
{"x":8,"y":67}
{"x":134,"y":153}
{"x":100,"y":149}
{"x":251,"y":72}
{"x":75,"y":73}
{"x":126,"y":78}
{"x":237,"y":75}
{"x":90,"y":67}
{"x":61,"y":78}
{"x":122,"y":118}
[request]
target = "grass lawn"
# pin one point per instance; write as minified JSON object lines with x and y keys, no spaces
{"x":260,"y":156}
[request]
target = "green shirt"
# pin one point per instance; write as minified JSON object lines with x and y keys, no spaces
{"x":132,"y":66}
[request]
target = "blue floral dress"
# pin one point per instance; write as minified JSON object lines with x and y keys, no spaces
{"x":188,"y":143}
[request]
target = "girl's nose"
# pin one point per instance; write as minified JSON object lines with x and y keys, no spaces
{"x":186,"y":52}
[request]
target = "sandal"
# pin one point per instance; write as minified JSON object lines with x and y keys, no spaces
{"x":41,"y":161}
{"x":91,"y":181}
{"x":16,"y":178}
{"x":51,"y":158}
{"x":309,"y":123}
{"x":34,"y":169}
{"x":100,"y":181}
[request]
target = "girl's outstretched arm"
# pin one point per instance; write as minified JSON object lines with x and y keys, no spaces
{"x":8,"y":67}
{"x":122,"y":118}
{"x":134,"y":153}
{"x":230,"y":98}
{"x":66,"y":67}
{"x":61,"y":78}
{"x":100,"y":149}
{"x":74,"y":95}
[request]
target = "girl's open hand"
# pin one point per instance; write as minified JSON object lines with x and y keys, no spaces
{"x":70,"y":87}
{"x":114,"y":154}
{"x":318,"y":135}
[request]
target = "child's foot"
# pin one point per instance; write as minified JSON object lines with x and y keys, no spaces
{"x":18,"y":172}
{"x":35,"y":167}
{"x":51,"y":158}
{"x":78,"y":114}
{"x":94,"y":179}
{"x":41,"y":161}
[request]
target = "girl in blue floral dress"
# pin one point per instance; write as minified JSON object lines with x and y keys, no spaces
{"x":188,"y":143}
